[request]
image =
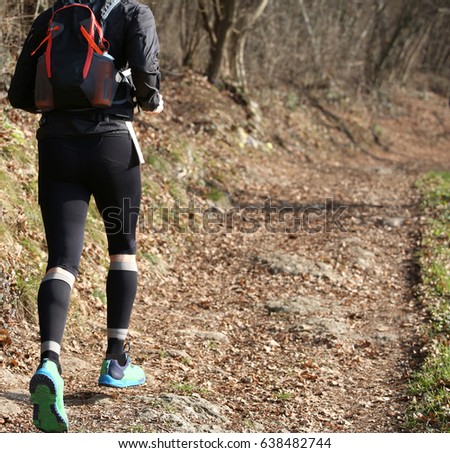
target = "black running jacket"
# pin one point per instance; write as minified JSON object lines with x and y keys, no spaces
{"x":131,"y":32}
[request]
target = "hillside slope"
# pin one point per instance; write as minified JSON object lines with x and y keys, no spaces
{"x":279,"y":298}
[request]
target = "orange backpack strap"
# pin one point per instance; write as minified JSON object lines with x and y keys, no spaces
{"x":90,"y":41}
{"x":50,"y":30}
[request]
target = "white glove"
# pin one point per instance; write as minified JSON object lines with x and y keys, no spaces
{"x":160,"y":107}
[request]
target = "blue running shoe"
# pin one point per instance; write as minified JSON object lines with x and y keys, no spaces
{"x":114,"y":375}
{"x":47,"y":395}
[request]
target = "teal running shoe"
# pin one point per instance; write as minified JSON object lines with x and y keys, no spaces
{"x":114,"y":375}
{"x":47,"y":395}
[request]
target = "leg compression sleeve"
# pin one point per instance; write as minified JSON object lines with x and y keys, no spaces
{"x":53,"y":305}
{"x":121,"y":287}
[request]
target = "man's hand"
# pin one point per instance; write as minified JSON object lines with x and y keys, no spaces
{"x":160,"y":107}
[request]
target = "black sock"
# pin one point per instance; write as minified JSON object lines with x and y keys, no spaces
{"x":53,"y":356}
{"x":115,"y":351}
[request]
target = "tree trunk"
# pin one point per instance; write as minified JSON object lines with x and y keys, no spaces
{"x":401,"y":53}
{"x":238,"y":42}
{"x":223,"y":22}
{"x":312,"y":36}
{"x":190,"y":32}
{"x":413,"y":53}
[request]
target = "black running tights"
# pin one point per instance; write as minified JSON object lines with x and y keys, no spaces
{"x":70,"y":171}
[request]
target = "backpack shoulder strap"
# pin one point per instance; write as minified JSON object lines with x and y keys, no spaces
{"x":102,"y":8}
{"x":107,"y":8}
{"x":71,"y":2}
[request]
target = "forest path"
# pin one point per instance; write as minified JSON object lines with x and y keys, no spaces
{"x":253,"y":328}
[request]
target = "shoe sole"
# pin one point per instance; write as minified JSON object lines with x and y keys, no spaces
{"x":46,"y":416}
{"x":108,"y":381}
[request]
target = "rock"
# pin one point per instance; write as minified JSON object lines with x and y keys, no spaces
{"x":394,"y":222}
{"x":180,"y":171}
{"x":384,"y":170}
{"x":324,"y":328}
{"x":255,"y":121}
{"x":175,"y":353}
{"x":8,"y":408}
{"x":386,"y":337}
{"x":297,"y":265}
{"x":186,"y":413}
{"x":252,"y":142}
{"x":10,"y":380}
{"x":194,"y":405}
{"x":301,"y":305}
{"x":363,"y":258}
{"x":70,"y":362}
{"x":206,"y":335}
{"x":13,"y":393}
{"x":243,"y":136}
{"x":245,"y":139}
{"x":273,"y":344}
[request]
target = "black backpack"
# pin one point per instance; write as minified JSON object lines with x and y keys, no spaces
{"x":76,"y":70}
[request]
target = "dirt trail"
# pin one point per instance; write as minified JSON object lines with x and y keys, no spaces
{"x":306,"y":330}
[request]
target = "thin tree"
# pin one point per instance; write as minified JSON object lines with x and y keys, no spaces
{"x":218,"y":19}
{"x":244,"y":24}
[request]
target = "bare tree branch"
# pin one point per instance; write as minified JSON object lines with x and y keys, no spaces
{"x":311,"y":34}
{"x":207,"y":22}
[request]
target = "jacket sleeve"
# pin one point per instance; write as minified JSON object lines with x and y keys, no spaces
{"x":142,"y":47}
{"x":21,"y":89}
